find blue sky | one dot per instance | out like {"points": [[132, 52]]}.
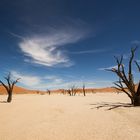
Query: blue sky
{"points": [[53, 44]]}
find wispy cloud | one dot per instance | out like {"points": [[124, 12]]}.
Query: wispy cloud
{"points": [[54, 79], [38, 82], [46, 49], [26, 80], [107, 68], [88, 51], [55, 82], [66, 84], [135, 42], [16, 35], [78, 84], [103, 83]]}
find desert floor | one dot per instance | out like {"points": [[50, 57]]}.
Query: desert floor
{"points": [[61, 117]]}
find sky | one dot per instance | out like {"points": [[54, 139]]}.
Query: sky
{"points": [[52, 44]]}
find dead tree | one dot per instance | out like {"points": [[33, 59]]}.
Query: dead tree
{"points": [[126, 82], [9, 86], [69, 92], [84, 91], [73, 90], [48, 91]]}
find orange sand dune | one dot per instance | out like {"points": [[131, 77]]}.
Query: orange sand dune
{"points": [[16, 90], [90, 90], [21, 90]]}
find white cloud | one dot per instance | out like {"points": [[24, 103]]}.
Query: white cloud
{"points": [[126, 56], [79, 84], [135, 42], [65, 85], [47, 49], [47, 82], [108, 68], [15, 35], [55, 82], [26, 80], [54, 79], [88, 51], [37, 82]]}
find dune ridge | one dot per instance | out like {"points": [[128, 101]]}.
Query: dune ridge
{"points": [[21, 90]]}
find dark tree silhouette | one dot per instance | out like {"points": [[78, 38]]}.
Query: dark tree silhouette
{"points": [[48, 91], [9, 86], [72, 91], [69, 92], [126, 82], [84, 91]]}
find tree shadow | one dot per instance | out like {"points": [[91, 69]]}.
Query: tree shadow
{"points": [[3, 102], [110, 105]]}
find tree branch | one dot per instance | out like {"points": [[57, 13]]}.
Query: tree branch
{"points": [[14, 82], [138, 66], [5, 86]]}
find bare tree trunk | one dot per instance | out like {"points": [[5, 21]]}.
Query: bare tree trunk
{"points": [[137, 96], [132, 101], [84, 91], [136, 101], [72, 92], [69, 92], [9, 99], [48, 91]]}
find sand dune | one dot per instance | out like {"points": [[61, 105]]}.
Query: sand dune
{"points": [[62, 117], [21, 90], [18, 90]]}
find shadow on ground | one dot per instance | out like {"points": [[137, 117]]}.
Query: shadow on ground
{"points": [[110, 105], [3, 102]]}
